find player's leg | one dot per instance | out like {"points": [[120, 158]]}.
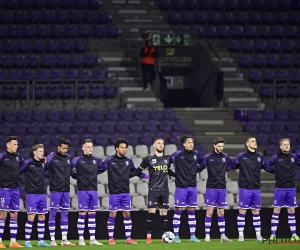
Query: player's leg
{"points": [[292, 204], [278, 203], [93, 207], [5, 201], [222, 203], [125, 203], [163, 210], [64, 225], [55, 198], [151, 71], [31, 206], [13, 224], [210, 202], [179, 203], [152, 205], [42, 210], [244, 201], [192, 203], [256, 205], [114, 206], [82, 208]]}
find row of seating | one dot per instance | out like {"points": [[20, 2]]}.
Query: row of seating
{"points": [[245, 5], [269, 75], [59, 31], [266, 139], [54, 16], [52, 74], [269, 60], [267, 115], [270, 127], [275, 19], [261, 45], [281, 90], [87, 116], [50, 4], [47, 60]]}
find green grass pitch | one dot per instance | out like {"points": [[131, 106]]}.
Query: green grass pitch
{"points": [[248, 244]]}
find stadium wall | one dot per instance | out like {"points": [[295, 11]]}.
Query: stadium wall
{"points": [[139, 225]]}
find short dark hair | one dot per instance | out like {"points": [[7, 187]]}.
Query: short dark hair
{"points": [[120, 141], [249, 137], [183, 138], [158, 138], [86, 141], [10, 138], [63, 141], [219, 140]]}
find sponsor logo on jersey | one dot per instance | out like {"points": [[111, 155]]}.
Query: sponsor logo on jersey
{"points": [[163, 168], [153, 160]]}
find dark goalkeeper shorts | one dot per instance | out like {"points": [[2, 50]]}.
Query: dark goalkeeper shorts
{"points": [[158, 199]]}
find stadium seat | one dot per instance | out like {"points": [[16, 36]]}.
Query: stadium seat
{"points": [[232, 187], [250, 127], [262, 139], [253, 115], [101, 190], [264, 126]]}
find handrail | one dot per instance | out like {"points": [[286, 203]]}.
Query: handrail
{"points": [[215, 52]]}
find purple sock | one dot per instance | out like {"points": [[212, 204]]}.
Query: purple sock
{"points": [[192, 222], [176, 221], [274, 222], [13, 224], [81, 225], [92, 225], [128, 227], [207, 225], [51, 223], [111, 227], [292, 223], [28, 230], [64, 223], [221, 223], [41, 230], [241, 223]]}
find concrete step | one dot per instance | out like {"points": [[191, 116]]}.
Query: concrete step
{"points": [[152, 25], [133, 11], [236, 139], [139, 93], [210, 128], [243, 105]]}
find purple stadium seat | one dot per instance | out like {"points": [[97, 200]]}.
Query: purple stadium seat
{"points": [[278, 127], [292, 126], [49, 128], [292, 137], [210, 31], [272, 150], [61, 16], [146, 139], [253, 115], [275, 138], [268, 75], [241, 18], [52, 45], [136, 126], [177, 4], [264, 126], [296, 60], [150, 126], [75, 140], [155, 114], [103, 17], [107, 127], [126, 114], [280, 90], [57, 74], [15, 31], [132, 139], [39, 116], [223, 31], [86, 30], [200, 17], [71, 30], [75, 60], [179, 126], [247, 45], [6, 60], [234, 45], [39, 91], [10, 46], [14, 74], [271, 60], [39, 46], [54, 116], [284, 4], [268, 115], [10, 116], [261, 45], [43, 74], [109, 90], [244, 60], [294, 17], [258, 60], [76, 16], [187, 17], [58, 30], [264, 31], [52, 4], [66, 4], [90, 16], [66, 45], [282, 74], [282, 115], [163, 4], [70, 74], [62, 60], [228, 18], [294, 74], [275, 45], [80, 46], [287, 45], [112, 115], [250, 127], [68, 90], [98, 74], [237, 31], [213, 17], [254, 17], [97, 115], [122, 127], [28, 141], [47, 60], [68, 116], [141, 114], [87, 136], [82, 115], [34, 128], [169, 114], [28, 74], [101, 140], [54, 139], [278, 31], [25, 116], [82, 91], [95, 91], [250, 31], [46, 140], [174, 17], [64, 128], [240, 115], [3, 31], [48, 16], [262, 139], [114, 137], [165, 126], [43, 30], [93, 128], [291, 31], [9, 92], [292, 90], [5, 129]]}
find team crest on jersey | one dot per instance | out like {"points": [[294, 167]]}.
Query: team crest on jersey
{"points": [[154, 160], [258, 159], [127, 163], [292, 159], [68, 161], [17, 158], [94, 161], [166, 161], [223, 159], [195, 157]]}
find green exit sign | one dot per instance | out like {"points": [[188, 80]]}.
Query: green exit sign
{"points": [[162, 39]]}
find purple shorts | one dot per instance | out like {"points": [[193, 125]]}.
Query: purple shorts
{"points": [[60, 200], [36, 203], [249, 199], [120, 202], [285, 197], [88, 201], [186, 197], [215, 198], [10, 199]]}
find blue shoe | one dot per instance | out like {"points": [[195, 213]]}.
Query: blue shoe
{"points": [[43, 244], [177, 239], [194, 239], [28, 244]]}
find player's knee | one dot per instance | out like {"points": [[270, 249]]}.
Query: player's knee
{"points": [[3, 215], [13, 215], [220, 212], [41, 217], [290, 210], [126, 214]]}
